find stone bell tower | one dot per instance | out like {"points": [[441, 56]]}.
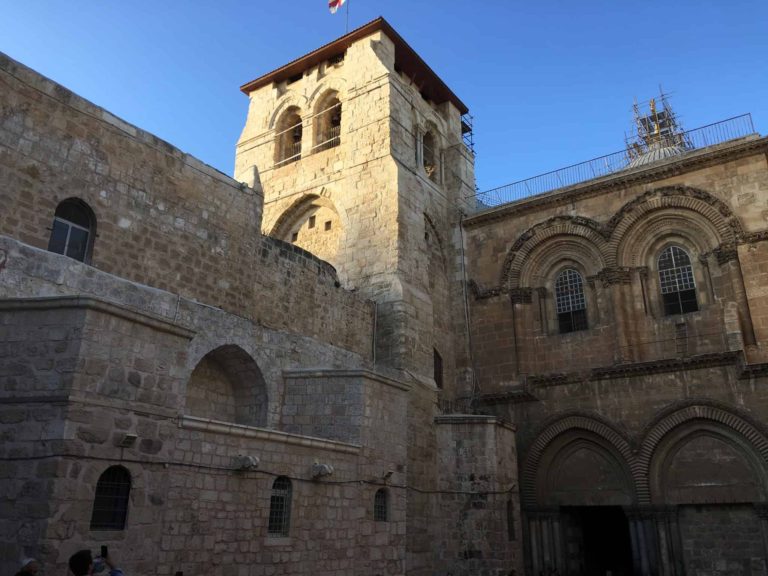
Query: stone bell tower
{"points": [[358, 147]]}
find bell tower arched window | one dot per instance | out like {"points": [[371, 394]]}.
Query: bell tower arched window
{"points": [[678, 288], [570, 301], [328, 124], [74, 226], [288, 138], [430, 155]]}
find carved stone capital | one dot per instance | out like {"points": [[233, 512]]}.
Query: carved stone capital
{"points": [[725, 253], [617, 275], [521, 295]]}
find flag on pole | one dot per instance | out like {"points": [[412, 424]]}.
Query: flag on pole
{"points": [[334, 5]]}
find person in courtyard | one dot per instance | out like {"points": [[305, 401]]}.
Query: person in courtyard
{"points": [[29, 567], [81, 564]]}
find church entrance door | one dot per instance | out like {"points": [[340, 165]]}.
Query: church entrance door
{"points": [[597, 541]]}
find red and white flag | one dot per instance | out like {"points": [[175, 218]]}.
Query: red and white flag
{"points": [[334, 5]]}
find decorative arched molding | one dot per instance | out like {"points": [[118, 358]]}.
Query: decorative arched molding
{"points": [[528, 241], [328, 86], [288, 101], [704, 205], [570, 423], [709, 412], [549, 257]]}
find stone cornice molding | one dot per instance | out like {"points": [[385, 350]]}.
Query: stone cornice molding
{"points": [[677, 166]]}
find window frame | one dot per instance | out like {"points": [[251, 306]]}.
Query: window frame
{"points": [[578, 317], [381, 505], [88, 215], [678, 274], [117, 504], [279, 520]]}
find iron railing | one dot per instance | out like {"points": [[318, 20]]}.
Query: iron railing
{"points": [[329, 139], [730, 129], [292, 154]]}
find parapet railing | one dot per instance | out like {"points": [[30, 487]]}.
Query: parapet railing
{"points": [[730, 129]]}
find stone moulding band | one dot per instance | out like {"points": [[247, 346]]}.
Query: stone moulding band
{"points": [[473, 419], [297, 374], [97, 304], [243, 431]]}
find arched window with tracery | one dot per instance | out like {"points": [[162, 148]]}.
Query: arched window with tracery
{"points": [[280, 507], [74, 226], [110, 504], [570, 302], [678, 288], [288, 137], [328, 123], [381, 505]]}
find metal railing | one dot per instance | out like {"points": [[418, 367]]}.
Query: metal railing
{"points": [[330, 139], [292, 153], [730, 129]]}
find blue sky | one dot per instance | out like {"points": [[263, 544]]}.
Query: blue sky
{"points": [[550, 82]]}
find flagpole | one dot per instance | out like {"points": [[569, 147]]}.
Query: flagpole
{"points": [[347, 32]]}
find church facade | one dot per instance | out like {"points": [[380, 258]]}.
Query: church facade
{"points": [[340, 362]]}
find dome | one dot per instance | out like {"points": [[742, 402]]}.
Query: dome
{"points": [[655, 154]]}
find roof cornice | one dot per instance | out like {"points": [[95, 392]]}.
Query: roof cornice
{"points": [[406, 60], [693, 161]]}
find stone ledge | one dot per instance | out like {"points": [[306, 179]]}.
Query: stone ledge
{"points": [[474, 419], [99, 305], [361, 373], [243, 431]]}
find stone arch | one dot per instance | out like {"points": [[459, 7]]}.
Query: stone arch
{"points": [[671, 430], [589, 231], [227, 384], [709, 212], [333, 84], [306, 223], [326, 120], [574, 431], [289, 100], [289, 136]]}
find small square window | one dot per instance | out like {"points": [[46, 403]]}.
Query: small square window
{"points": [[328, 225], [294, 237], [311, 222]]}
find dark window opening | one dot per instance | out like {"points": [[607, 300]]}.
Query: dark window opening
{"points": [[570, 301], [438, 368], [510, 520], [337, 59], [429, 156], [327, 225], [280, 507], [311, 222], [294, 237], [73, 230], [328, 122], [678, 288], [110, 504], [294, 78], [289, 136], [381, 505]]}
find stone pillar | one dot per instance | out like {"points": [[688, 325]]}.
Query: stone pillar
{"points": [[656, 543], [545, 541], [761, 510]]}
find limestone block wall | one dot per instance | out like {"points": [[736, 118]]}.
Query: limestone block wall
{"points": [[477, 524], [86, 372], [163, 218], [711, 202]]}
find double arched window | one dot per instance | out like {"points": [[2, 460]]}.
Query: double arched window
{"points": [[678, 288], [570, 302], [280, 507], [74, 226], [110, 504]]}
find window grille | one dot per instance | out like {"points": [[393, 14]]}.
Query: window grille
{"points": [[288, 140], [570, 302], [72, 230], [437, 361], [678, 288], [381, 505], [280, 507], [110, 504], [328, 123]]}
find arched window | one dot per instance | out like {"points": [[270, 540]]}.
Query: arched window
{"points": [[288, 138], [429, 156], [110, 505], [280, 507], [328, 124], [570, 301], [678, 289], [74, 226], [381, 505]]}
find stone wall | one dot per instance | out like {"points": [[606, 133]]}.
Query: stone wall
{"points": [[163, 218]]}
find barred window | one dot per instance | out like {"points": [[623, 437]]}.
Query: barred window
{"points": [[110, 505], [437, 368], [381, 505], [570, 301], [289, 134], [73, 230], [280, 507], [678, 289]]}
